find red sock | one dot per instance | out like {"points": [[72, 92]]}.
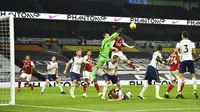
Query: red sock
{"points": [[131, 65], [19, 84], [84, 88], [182, 86], [170, 88], [31, 85], [97, 87]]}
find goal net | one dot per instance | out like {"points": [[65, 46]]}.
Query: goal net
{"points": [[7, 71]]}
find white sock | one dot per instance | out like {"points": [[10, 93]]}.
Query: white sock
{"points": [[73, 88], [60, 86], [194, 82], [120, 87], [128, 94], [179, 85], [43, 88], [146, 85], [105, 90], [157, 87]]}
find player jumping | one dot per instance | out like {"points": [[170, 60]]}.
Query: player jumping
{"points": [[52, 68], [87, 70], [27, 73], [152, 73], [116, 47], [110, 69], [186, 48], [105, 50], [173, 61], [75, 70], [117, 95]]}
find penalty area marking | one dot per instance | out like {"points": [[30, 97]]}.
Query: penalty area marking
{"points": [[60, 108]]}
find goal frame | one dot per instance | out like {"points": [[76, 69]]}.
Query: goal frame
{"points": [[12, 59]]}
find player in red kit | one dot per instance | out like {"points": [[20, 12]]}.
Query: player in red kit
{"points": [[116, 47], [27, 73], [174, 61], [87, 70]]}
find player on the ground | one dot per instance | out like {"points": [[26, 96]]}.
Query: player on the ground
{"points": [[117, 95], [116, 46], [75, 71], [52, 68], [173, 61], [87, 70], [105, 50], [110, 68], [27, 73], [187, 51], [152, 73]]}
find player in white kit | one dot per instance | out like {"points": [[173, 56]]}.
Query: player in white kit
{"points": [[187, 50], [52, 68], [75, 71], [152, 73]]}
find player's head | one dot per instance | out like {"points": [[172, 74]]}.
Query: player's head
{"points": [[106, 35], [53, 58], [78, 53], [89, 53], [159, 48], [185, 34], [115, 59], [27, 57], [112, 93]]}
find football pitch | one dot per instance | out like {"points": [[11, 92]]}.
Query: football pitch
{"points": [[53, 101]]}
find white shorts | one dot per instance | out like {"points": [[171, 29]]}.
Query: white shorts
{"points": [[174, 75], [86, 74], [27, 76], [120, 54]]}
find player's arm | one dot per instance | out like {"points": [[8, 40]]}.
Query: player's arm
{"points": [[159, 59], [105, 69], [118, 99], [32, 65], [114, 35], [67, 66], [194, 52], [116, 69], [112, 46], [126, 45]]}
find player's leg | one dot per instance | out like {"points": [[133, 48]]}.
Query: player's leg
{"points": [[86, 75], [45, 84], [182, 70], [100, 62], [74, 84], [19, 82], [157, 84], [107, 82], [172, 84], [96, 85], [146, 83], [59, 84], [194, 81], [28, 79], [115, 80]]}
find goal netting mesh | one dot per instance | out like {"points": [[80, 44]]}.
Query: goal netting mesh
{"points": [[7, 72]]}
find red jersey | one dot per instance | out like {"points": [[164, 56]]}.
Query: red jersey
{"points": [[118, 43], [174, 62], [88, 67], [28, 70]]}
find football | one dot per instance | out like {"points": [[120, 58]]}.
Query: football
{"points": [[132, 26]]}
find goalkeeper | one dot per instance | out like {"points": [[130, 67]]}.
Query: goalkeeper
{"points": [[105, 50]]}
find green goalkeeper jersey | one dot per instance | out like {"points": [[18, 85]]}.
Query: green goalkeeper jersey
{"points": [[105, 46]]}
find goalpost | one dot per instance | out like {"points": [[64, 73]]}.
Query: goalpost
{"points": [[7, 61]]}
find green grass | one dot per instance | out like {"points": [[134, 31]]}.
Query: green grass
{"points": [[53, 101]]}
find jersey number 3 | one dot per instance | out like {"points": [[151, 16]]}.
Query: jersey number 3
{"points": [[186, 48]]}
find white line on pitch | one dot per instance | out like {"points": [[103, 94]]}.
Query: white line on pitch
{"points": [[154, 110], [60, 108]]}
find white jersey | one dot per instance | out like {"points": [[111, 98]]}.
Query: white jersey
{"points": [[50, 65], [111, 68], [76, 64], [154, 62], [185, 47]]}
